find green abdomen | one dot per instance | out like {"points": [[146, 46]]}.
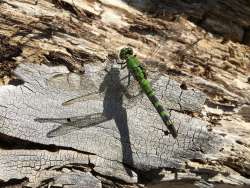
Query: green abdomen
{"points": [[133, 65]]}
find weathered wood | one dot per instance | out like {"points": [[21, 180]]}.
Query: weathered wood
{"points": [[131, 147], [135, 138]]}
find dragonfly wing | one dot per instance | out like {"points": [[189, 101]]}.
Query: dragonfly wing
{"points": [[130, 102], [89, 120], [51, 120], [61, 130], [77, 123], [134, 88], [87, 97], [136, 93], [132, 91], [72, 82]]}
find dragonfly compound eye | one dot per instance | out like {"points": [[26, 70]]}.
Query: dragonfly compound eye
{"points": [[125, 53]]}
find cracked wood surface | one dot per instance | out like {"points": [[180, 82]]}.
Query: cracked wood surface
{"points": [[76, 33], [137, 140], [23, 163]]}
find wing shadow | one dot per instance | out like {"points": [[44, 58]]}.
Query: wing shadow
{"points": [[112, 109]]}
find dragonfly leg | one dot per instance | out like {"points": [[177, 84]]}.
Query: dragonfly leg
{"points": [[129, 78], [123, 67], [121, 62]]}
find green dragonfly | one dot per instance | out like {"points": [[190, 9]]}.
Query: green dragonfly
{"points": [[137, 70], [113, 91]]}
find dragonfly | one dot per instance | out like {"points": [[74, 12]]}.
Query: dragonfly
{"points": [[132, 63], [115, 90]]}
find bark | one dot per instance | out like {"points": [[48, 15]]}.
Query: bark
{"points": [[53, 53]]}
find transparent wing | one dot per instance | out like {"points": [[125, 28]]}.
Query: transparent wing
{"points": [[61, 130], [73, 123], [89, 89], [135, 94], [133, 88], [90, 96], [82, 84], [72, 82]]}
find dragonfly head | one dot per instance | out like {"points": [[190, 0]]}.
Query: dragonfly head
{"points": [[125, 53]]}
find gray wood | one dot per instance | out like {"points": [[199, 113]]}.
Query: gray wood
{"points": [[133, 136]]}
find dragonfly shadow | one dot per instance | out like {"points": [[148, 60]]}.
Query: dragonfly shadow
{"points": [[113, 109]]}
